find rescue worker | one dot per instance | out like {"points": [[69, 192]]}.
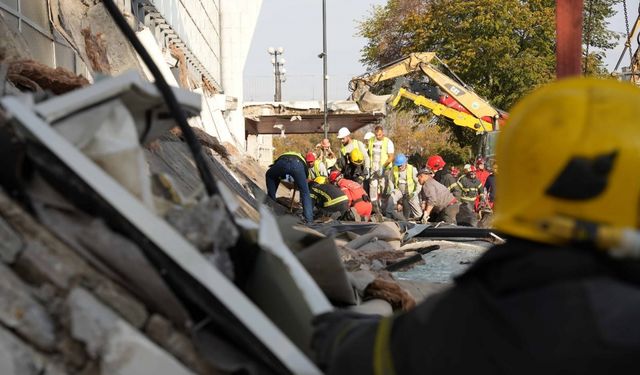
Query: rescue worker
{"points": [[562, 295], [329, 199], [294, 165], [368, 136], [442, 172], [354, 168], [359, 201], [404, 180], [438, 204], [470, 189], [380, 151], [316, 168], [490, 184], [348, 145], [325, 154], [481, 172]]}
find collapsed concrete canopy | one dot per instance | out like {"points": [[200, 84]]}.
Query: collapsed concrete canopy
{"points": [[305, 117]]}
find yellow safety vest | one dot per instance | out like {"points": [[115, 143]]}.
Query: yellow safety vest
{"points": [[315, 171], [383, 152], [343, 149], [411, 185]]}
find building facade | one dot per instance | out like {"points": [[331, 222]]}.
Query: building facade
{"points": [[200, 45]]}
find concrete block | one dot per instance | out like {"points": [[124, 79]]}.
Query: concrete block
{"points": [[40, 264], [163, 333], [22, 313], [131, 310], [10, 243], [122, 349], [207, 225], [16, 357]]}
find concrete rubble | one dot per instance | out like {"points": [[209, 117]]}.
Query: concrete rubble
{"points": [[86, 287]]}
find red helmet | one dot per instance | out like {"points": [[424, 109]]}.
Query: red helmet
{"points": [[480, 160], [311, 157], [435, 162], [334, 176]]}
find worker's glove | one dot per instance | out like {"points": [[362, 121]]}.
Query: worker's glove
{"points": [[333, 328], [425, 219]]}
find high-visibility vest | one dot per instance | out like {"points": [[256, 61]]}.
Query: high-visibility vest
{"points": [[383, 152], [343, 149], [315, 171], [411, 185]]}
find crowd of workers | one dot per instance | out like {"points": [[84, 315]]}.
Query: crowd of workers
{"points": [[561, 296], [367, 180]]}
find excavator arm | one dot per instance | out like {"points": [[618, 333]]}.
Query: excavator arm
{"points": [[460, 103]]}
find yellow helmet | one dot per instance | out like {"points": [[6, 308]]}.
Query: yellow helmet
{"points": [[356, 156], [320, 179], [567, 159]]}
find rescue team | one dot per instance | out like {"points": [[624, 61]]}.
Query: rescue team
{"points": [[368, 180]]}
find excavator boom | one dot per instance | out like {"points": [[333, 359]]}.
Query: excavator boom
{"points": [[458, 98]]}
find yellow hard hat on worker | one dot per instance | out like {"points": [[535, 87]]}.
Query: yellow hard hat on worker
{"points": [[356, 156], [320, 180], [567, 160]]}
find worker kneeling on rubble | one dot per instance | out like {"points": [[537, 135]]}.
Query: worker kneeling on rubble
{"points": [[438, 204], [404, 193], [294, 165], [562, 296], [330, 200], [359, 202]]}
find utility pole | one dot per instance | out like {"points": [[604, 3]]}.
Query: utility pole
{"points": [[325, 76], [278, 70]]}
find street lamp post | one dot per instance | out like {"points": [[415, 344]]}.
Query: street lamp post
{"points": [[278, 70], [325, 76]]}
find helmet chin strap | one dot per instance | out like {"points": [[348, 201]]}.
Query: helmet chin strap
{"points": [[618, 242]]}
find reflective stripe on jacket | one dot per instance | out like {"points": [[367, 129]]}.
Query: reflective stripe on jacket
{"points": [[321, 193]]}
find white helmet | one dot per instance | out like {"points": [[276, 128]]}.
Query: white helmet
{"points": [[343, 132], [368, 135]]}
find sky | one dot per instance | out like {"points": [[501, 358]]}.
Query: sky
{"points": [[296, 25]]}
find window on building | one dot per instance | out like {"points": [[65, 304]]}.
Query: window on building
{"points": [[31, 19]]}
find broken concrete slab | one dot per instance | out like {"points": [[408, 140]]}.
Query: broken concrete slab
{"points": [[323, 263], [10, 243], [207, 225], [16, 357], [133, 311], [22, 313], [161, 331], [121, 348]]}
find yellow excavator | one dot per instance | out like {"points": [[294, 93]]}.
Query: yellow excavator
{"points": [[445, 95]]}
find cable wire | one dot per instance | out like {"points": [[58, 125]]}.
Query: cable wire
{"points": [[167, 93]]}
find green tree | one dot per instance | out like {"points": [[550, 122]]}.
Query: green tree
{"points": [[502, 48]]}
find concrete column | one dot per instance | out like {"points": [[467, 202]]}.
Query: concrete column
{"points": [[238, 19]]}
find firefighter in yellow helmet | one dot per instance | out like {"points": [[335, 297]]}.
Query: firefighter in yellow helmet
{"points": [[562, 296], [354, 168]]}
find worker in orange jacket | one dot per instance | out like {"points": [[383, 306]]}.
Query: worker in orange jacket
{"points": [[358, 199]]}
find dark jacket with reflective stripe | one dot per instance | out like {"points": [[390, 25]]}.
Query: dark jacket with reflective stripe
{"points": [[470, 188], [522, 308], [327, 195]]}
